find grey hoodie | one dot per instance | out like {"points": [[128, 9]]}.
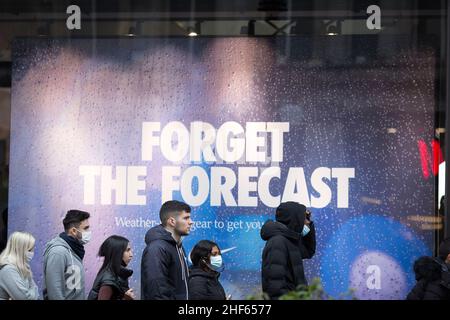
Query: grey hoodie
{"points": [[63, 272], [14, 286]]}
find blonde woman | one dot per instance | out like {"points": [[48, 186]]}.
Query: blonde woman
{"points": [[16, 279]]}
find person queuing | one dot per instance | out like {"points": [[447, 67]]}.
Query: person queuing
{"points": [[16, 278], [204, 275], [63, 259], [289, 240], [111, 282], [433, 276], [164, 270]]}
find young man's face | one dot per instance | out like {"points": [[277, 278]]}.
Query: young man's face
{"points": [[77, 232], [183, 223]]}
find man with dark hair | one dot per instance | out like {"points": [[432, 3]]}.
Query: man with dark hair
{"points": [[63, 259], [164, 270], [290, 239]]}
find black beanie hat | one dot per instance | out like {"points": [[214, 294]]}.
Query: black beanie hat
{"points": [[291, 214]]}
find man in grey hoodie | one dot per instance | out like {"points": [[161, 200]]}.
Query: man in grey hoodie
{"points": [[63, 259]]}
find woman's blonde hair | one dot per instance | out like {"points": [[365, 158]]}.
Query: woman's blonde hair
{"points": [[19, 243]]}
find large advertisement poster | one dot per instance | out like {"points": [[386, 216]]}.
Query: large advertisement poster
{"points": [[231, 126]]}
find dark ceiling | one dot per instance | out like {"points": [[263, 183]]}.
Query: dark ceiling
{"points": [[213, 6]]}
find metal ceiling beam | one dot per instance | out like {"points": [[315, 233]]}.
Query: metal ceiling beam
{"points": [[255, 15]]}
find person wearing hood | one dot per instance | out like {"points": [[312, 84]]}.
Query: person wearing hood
{"points": [[432, 276], [63, 259], [111, 282], [204, 275], [164, 270], [289, 240]]}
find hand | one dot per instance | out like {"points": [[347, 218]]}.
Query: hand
{"points": [[129, 295], [307, 217]]}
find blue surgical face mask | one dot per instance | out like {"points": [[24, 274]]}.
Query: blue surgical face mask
{"points": [[216, 261], [305, 230]]}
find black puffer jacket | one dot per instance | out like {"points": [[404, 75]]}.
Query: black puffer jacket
{"points": [[205, 285], [118, 283], [164, 271], [283, 254], [433, 280]]}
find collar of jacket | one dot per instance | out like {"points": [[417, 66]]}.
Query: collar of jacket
{"points": [[272, 228], [198, 271], [74, 244]]}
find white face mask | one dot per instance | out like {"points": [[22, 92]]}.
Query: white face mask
{"points": [[85, 236], [29, 255]]}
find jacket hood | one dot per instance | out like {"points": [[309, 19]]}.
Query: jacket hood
{"points": [[427, 268], [159, 233], [56, 242], [291, 214], [274, 228]]}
